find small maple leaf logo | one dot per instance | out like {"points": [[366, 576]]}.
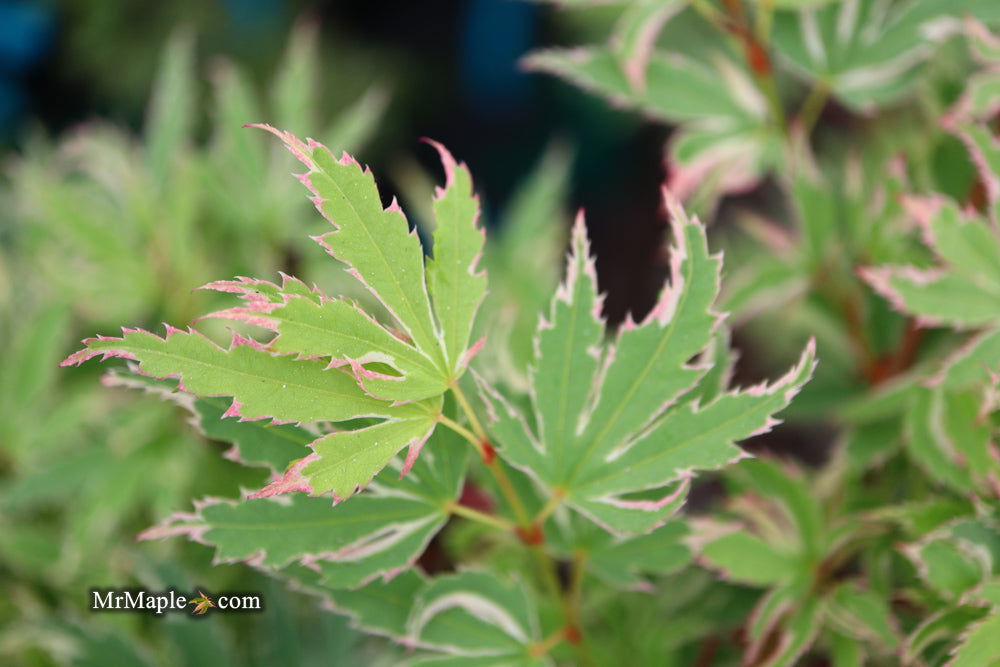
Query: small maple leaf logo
{"points": [[202, 603]]}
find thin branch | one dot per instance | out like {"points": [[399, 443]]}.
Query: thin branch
{"points": [[528, 529], [547, 644], [482, 517], [470, 414], [762, 20], [510, 494], [755, 51], [482, 445], [554, 501], [476, 442]]}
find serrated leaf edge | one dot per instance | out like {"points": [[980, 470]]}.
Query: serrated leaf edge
{"points": [[193, 526], [300, 150]]}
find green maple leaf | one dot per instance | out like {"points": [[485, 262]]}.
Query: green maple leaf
{"points": [[723, 142], [329, 361], [867, 52], [381, 532], [614, 430], [464, 618], [254, 442], [963, 290]]}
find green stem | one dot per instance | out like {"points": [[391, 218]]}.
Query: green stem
{"points": [[475, 515], [470, 414], [550, 507], [481, 443], [526, 527], [547, 569], [762, 20], [547, 644], [813, 106], [754, 45], [499, 475], [574, 597], [477, 443], [576, 582], [509, 493]]}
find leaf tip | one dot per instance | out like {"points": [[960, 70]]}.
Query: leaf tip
{"points": [[295, 145], [292, 481], [447, 161]]}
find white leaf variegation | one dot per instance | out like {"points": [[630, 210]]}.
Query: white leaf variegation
{"points": [[379, 533], [612, 434]]}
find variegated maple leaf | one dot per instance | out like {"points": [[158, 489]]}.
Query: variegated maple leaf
{"points": [[963, 288], [867, 52], [379, 534], [724, 141], [329, 360], [254, 443], [459, 619], [617, 430]]}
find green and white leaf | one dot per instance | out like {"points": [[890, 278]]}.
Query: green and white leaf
{"points": [[386, 257], [970, 366], [262, 385], [862, 615], [380, 532], [944, 625], [794, 505], [616, 412], [255, 442], [478, 617], [980, 645], [963, 290], [745, 558], [453, 279], [866, 51], [725, 142], [522, 259], [948, 439], [783, 626], [299, 377], [380, 607], [950, 566], [622, 562], [280, 388]]}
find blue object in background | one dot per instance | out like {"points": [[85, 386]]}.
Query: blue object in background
{"points": [[26, 35], [495, 34], [26, 30]]}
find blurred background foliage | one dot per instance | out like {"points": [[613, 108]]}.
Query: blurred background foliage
{"points": [[128, 181], [106, 223]]}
